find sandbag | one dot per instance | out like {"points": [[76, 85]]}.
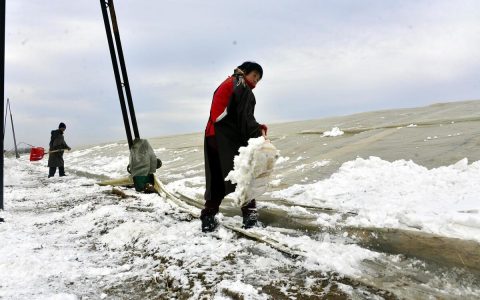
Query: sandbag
{"points": [[143, 163]]}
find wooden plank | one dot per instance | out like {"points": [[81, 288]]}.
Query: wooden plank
{"points": [[124, 181]]}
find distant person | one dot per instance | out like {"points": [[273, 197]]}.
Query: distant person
{"points": [[55, 159], [230, 125]]}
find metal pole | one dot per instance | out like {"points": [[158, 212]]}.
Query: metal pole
{"points": [[5, 118], [2, 81], [126, 83], [13, 128], [121, 97]]}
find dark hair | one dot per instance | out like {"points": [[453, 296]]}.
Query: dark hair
{"points": [[250, 66], [61, 125]]}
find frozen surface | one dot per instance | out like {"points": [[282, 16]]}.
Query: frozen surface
{"points": [[68, 238]]}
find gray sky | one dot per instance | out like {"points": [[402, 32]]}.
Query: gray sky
{"points": [[320, 58]]}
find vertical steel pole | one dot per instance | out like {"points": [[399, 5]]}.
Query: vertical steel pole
{"points": [[13, 128], [126, 83], [4, 119], [118, 81], [2, 82]]}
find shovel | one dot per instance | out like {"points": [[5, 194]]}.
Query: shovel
{"points": [[37, 153]]}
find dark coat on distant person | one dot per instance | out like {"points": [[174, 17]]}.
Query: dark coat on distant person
{"points": [[234, 130], [57, 141]]}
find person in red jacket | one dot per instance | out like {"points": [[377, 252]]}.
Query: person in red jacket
{"points": [[230, 125]]}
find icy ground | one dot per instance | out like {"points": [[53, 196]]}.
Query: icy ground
{"points": [[68, 238]]}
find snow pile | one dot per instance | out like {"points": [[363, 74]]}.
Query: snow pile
{"points": [[399, 194], [13, 168], [252, 169], [334, 132], [108, 160]]}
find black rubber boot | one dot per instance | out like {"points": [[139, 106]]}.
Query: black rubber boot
{"points": [[209, 223], [250, 218], [250, 215]]}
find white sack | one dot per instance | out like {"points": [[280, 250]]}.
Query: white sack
{"points": [[252, 170]]}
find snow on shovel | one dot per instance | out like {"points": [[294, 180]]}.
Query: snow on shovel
{"points": [[37, 153]]}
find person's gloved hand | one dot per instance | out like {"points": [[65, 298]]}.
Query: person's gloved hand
{"points": [[69, 148], [264, 129]]}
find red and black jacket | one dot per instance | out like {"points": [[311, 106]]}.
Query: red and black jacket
{"points": [[232, 122], [221, 99]]}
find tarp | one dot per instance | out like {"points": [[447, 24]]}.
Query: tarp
{"points": [[142, 158]]}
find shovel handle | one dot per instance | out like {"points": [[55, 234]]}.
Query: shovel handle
{"points": [[57, 150]]}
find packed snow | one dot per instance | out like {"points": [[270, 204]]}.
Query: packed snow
{"points": [[335, 131], [399, 194]]}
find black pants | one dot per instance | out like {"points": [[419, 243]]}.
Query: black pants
{"points": [[52, 170], [216, 193]]}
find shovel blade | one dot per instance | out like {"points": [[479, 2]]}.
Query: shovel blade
{"points": [[36, 153]]}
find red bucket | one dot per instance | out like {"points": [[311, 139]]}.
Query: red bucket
{"points": [[36, 153]]}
